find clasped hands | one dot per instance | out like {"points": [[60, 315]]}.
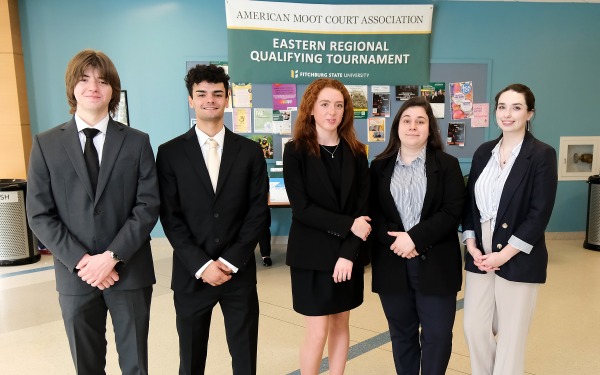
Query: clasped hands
{"points": [[361, 227], [216, 273], [403, 245], [489, 262], [98, 270]]}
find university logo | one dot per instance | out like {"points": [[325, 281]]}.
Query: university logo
{"points": [[294, 73]]}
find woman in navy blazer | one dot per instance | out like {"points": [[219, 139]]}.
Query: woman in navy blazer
{"points": [[327, 180], [417, 194], [510, 195]]}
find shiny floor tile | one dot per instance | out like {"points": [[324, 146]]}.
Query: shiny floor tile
{"points": [[563, 339]]}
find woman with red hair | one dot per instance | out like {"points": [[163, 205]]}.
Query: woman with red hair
{"points": [[327, 180]]}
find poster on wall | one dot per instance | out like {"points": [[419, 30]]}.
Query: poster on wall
{"points": [[358, 94], [266, 143], [376, 132], [462, 100], [284, 96], [435, 93], [357, 44], [242, 95], [481, 115], [456, 134], [282, 122], [242, 120], [381, 101], [263, 120], [405, 92]]}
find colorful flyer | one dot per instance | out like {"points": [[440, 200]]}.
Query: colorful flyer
{"points": [[376, 130], [284, 96], [242, 120], [263, 120], [381, 101], [266, 143], [358, 93], [481, 115], [462, 100]]}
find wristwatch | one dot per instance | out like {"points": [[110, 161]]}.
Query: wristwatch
{"points": [[115, 257]]}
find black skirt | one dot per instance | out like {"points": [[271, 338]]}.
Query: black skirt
{"points": [[315, 294]]}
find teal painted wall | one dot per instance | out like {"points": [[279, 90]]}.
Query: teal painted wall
{"points": [[553, 48]]}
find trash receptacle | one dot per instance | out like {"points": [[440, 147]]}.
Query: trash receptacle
{"points": [[592, 229], [17, 243]]}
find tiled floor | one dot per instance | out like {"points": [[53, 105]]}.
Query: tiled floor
{"points": [[564, 340]]}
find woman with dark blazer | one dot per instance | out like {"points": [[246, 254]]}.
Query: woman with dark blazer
{"points": [[327, 181], [417, 194], [510, 195]]}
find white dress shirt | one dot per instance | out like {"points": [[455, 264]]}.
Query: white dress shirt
{"points": [[98, 139], [203, 140]]}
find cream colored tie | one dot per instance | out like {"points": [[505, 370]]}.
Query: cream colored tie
{"points": [[213, 162]]}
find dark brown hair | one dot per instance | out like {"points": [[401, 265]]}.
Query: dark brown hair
{"points": [[106, 69], [305, 131], [209, 73], [434, 141], [527, 94]]}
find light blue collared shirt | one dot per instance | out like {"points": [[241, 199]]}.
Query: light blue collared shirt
{"points": [[408, 186]]}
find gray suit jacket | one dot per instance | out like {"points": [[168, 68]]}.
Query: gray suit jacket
{"points": [[65, 216]]}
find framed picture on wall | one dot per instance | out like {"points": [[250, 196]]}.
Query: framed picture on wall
{"points": [[578, 158], [122, 113]]}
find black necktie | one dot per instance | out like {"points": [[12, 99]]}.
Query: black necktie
{"points": [[90, 154]]}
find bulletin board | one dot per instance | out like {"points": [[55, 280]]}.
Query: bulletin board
{"points": [[447, 71]]}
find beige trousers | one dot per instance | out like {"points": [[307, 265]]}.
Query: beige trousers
{"points": [[497, 317]]}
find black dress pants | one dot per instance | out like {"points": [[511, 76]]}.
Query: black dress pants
{"points": [[239, 304], [430, 352]]}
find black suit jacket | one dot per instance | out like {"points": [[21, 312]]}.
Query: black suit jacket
{"points": [[524, 211], [320, 231], [435, 236], [67, 218], [202, 224]]}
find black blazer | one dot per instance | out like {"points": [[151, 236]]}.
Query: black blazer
{"points": [[435, 236], [70, 220], [202, 224], [524, 210], [320, 231]]}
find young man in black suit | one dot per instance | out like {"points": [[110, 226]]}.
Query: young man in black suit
{"points": [[93, 199], [213, 186]]}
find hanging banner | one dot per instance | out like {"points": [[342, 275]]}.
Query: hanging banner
{"points": [[357, 44]]}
